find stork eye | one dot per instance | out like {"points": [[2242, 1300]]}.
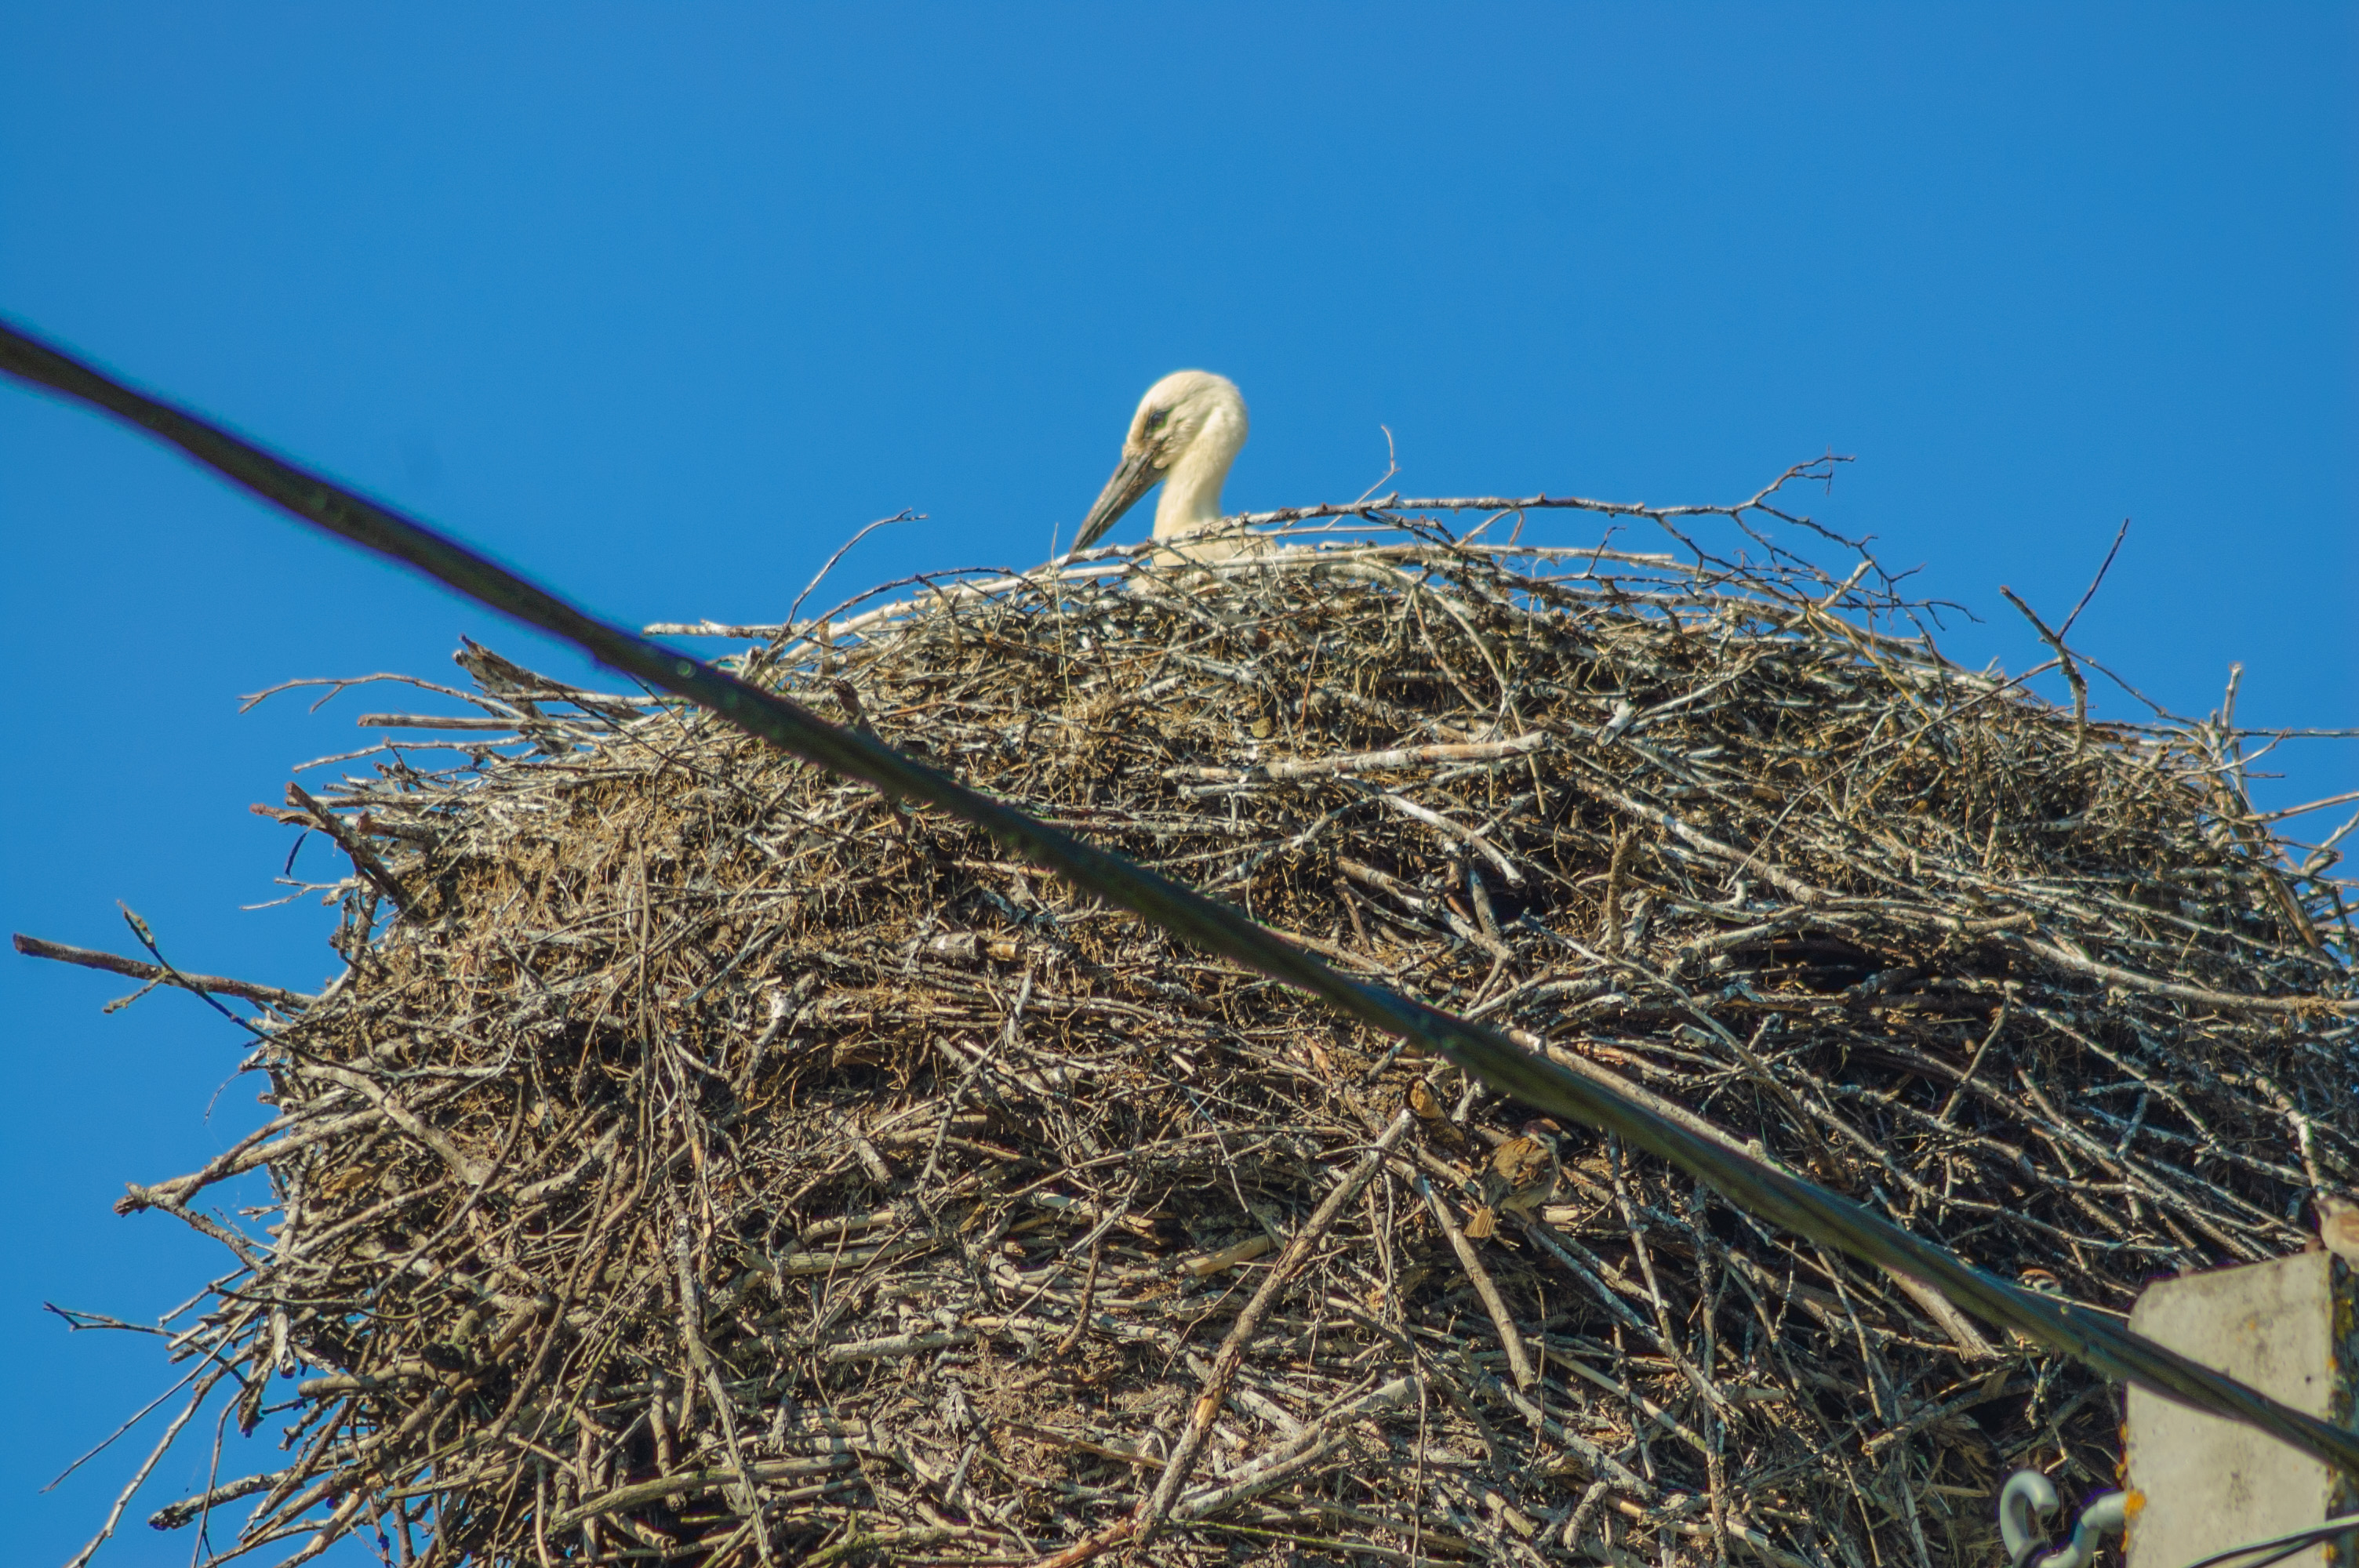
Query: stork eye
{"points": [[1154, 420]]}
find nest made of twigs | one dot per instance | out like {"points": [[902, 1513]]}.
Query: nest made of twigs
{"points": [[705, 1159]]}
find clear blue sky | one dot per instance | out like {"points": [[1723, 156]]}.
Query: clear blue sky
{"points": [[665, 302]]}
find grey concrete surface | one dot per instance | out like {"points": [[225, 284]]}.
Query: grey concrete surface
{"points": [[2202, 1485]]}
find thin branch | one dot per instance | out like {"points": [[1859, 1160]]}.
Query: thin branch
{"points": [[364, 860], [2064, 655], [285, 1002], [1231, 1355], [2119, 534]]}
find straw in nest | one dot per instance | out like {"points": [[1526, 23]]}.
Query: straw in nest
{"points": [[703, 1160]]}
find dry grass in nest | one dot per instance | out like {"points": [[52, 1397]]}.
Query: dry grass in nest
{"points": [[706, 1141]]}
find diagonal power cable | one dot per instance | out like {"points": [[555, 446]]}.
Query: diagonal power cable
{"points": [[1758, 1188]]}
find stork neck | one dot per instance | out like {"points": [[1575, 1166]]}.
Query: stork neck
{"points": [[1192, 490]]}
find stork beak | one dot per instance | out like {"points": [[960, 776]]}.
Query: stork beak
{"points": [[1133, 478]]}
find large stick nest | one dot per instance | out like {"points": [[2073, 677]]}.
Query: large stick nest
{"points": [[699, 1139]]}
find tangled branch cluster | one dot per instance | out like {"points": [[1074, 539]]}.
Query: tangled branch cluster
{"points": [[705, 1160]]}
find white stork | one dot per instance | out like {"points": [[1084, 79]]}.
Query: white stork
{"points": [[1187, 432]]}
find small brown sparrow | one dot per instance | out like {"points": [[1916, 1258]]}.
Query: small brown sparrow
{"points": [[1522, 1176], [2039, 1282]]}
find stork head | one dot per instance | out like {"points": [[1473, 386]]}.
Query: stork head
{"points": [[1187, 432]]}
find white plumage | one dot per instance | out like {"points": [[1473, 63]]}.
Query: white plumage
{"points": [[1189, 429]]}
